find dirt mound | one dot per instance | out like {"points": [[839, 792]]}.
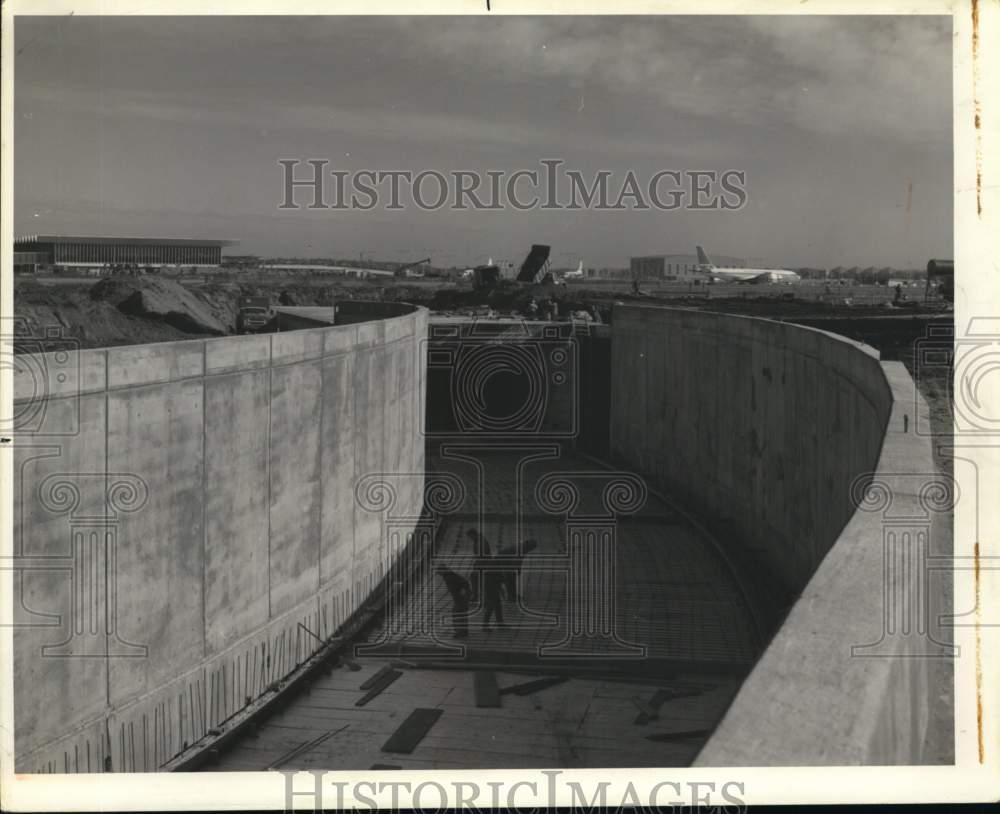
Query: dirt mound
{"points": [[139, 310], [162, 300], [48, 316]]}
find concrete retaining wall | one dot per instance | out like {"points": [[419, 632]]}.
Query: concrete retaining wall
{"points": [[802, 445], [758, 425], [187, 519], [856, 671]]}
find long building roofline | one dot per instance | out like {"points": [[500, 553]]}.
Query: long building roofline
{"points": [[143, 241]]}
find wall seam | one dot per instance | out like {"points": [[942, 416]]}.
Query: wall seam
{"points": [[270, 400], [356, 368], [204, 498], [107, 609], [322, 478]]}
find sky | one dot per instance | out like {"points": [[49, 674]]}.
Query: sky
{"points": [[173, 127]]}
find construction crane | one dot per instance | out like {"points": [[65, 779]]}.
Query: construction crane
{"points": [[401, 271]]}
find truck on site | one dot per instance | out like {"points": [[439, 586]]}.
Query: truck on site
{"points": [[940, 275], [411, 269], [534, 271], [254, 315]]}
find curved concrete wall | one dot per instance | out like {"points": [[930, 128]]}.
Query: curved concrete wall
{"points": [[853, 674], [763, 428], [759, 426], [200, 497]]}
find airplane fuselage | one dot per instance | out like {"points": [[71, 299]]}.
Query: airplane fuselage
{"points": [[707, 267], [749, 275], [569, 274]]}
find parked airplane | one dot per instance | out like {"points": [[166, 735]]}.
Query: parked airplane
{"points": [[706, 266], [570, 274]]}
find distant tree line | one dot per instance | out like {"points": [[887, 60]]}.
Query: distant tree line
{"points": [[866, 276]]}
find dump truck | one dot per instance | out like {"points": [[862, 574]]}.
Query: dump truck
{"points": [[485, 277], [255, 314]]}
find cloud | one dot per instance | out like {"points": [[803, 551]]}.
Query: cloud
{"points": [[405, 127], [198, 109], [887, 77]]}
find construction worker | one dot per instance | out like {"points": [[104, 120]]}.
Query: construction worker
{"points": [[480, 545], [490, 579], [510, 557], [492, 582], [461, 592]]}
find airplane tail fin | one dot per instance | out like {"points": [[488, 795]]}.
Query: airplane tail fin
{"points": [[702, 257], [579, 268]]}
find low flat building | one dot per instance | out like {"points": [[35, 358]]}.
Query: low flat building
{"points": [[27, 262], [679, 267], [42, 251]]}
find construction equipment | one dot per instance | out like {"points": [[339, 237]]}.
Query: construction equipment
{"points": [[485, 276], [944, 272], [404, 271], [535, 264], [255, 313], [534, 271]]}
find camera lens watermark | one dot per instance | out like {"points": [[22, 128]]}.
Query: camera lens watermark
{"points": [[45, 366], [518, 382]]}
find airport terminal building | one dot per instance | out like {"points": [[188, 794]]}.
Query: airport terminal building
{"points": [[44, 251]]}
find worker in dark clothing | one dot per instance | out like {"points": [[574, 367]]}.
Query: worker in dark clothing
{"points": [[460, 590], [488, 580], [492, 581], [480, 545], [510, 558]]}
